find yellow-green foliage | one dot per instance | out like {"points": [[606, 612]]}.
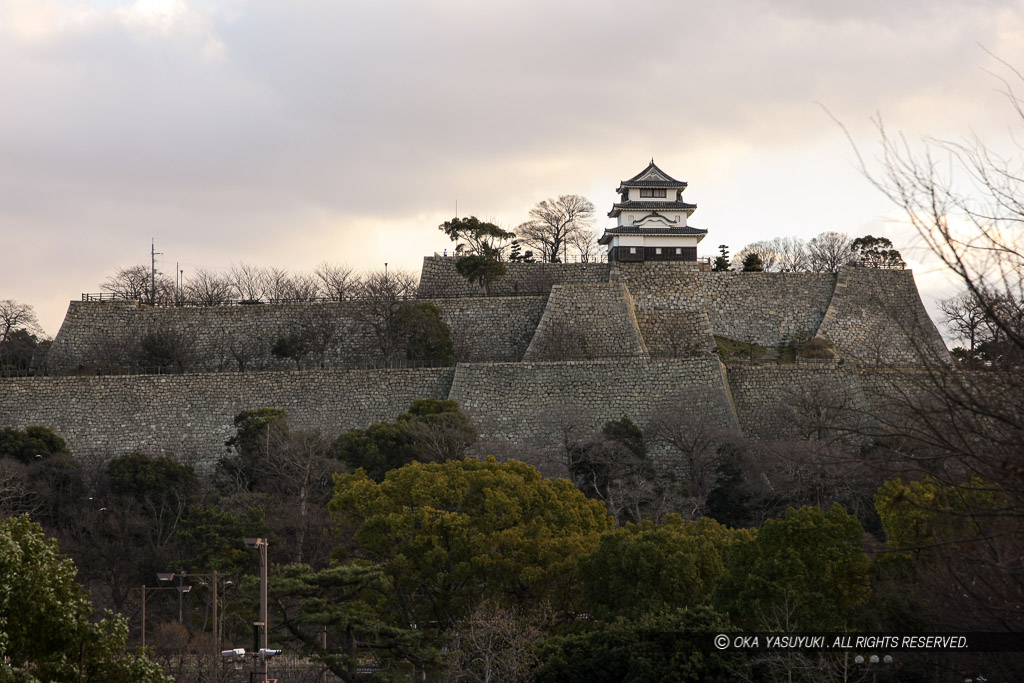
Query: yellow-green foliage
{"points": [[450, 534], [807, 571], [925, 512]]}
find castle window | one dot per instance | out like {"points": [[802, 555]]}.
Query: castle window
{"points": [[658, 250], [632, 250], [652, 192], [679, 250]]}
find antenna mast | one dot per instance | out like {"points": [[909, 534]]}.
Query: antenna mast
{"points": [[152, 257]]}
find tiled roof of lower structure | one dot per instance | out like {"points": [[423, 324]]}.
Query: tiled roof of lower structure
{"points": [[627, 230], [650, 206]]}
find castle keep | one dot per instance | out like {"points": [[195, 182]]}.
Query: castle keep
{"points": [[597, 340]]}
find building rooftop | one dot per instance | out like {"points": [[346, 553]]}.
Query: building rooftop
{"points": [[619, 207], [652, 176]]}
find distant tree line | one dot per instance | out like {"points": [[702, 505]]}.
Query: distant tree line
{"points": [[825, 253], [244, 282]]}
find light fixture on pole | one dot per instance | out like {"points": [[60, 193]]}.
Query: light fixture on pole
{"points": [[262, 625], [182, 589]]}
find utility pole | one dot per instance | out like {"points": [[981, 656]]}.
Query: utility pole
{"points": [[152, 282], [262, 626]]}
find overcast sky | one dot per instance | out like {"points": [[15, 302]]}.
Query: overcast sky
{"points": [[289, 133]]}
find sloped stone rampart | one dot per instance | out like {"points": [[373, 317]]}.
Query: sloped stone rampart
{"points": [[587, 321], [672, 333], [227, 338], [193, 414], [762, 308], [778, 400], [877, 318], [440, 279], [531, 403]]}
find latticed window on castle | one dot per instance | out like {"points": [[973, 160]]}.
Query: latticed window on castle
{"points": [[653, 192]]}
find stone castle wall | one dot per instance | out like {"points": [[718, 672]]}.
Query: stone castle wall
{"points": [[595, 320], [781, 400], [671, 333], [240, 337], [877, 317], [440, 279], [193, 414], [624, 313], [535, 402], [763, 308]]}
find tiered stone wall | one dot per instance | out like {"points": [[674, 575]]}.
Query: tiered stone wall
{"points": [[762, 308], [776, 400], [665, 309], [675, 333], [440, 279], [219, 337], [586, 321], [532, 403], [193, 414], [877, 317]]}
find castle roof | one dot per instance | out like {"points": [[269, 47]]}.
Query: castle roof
{"points": [[650, 206], [630, 230], [652, 176]]}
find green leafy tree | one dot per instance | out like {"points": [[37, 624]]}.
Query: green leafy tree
{"points": [[433, 430], [806, 572], [335, 599], [25, 444], [255, 432], [292, 346], [449, 535], [672, 646], [424, 334], [948, 554], [722, 262], [876, 252], [474, 236], [925, 512], [648, 568], [159, 489], [45, 628], [480, 269], [752, 263]]}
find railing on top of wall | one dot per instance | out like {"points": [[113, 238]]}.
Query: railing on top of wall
{"points": [[181, 302]]}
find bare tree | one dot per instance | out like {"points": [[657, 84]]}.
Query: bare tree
{"points": [[136, 283], [493, 644], [829, 251], [16, 316], [249, 282], [691, 427], [336, 282], [383, 294], [555, 223], [584, 243], [957, 425], [207, 288], [778, 255], [278, 284]]}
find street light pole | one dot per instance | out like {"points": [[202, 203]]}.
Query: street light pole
{"points": [[261, 545], [165, 576]]}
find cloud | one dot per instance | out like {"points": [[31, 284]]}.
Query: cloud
{"points": [[238, 130]]}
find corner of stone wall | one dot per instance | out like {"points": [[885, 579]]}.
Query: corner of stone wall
{"points": [[876, 317], [587, 321]]}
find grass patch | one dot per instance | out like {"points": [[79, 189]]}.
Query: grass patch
{"points": [[731, 349], [816, 348]]}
